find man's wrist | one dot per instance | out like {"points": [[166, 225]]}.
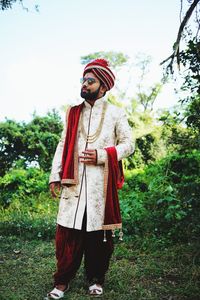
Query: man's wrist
{"points": [[55, 177], [101, 156]]}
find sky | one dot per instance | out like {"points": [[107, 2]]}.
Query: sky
{"points": [[40, 52]]}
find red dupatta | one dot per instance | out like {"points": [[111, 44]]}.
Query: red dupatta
{"points": [[115, 180], [69, 174]]}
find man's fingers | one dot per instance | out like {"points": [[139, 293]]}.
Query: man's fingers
{"points": [[89, 150], [89, 157], [53, 187], [86, 158], [89, 153], [91, 162], [53, 194]]}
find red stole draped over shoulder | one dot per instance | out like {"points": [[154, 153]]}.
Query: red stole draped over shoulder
{"points": [[114, 181], [69, 174]]}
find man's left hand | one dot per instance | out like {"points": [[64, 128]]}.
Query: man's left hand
{"points": [[89, 157]]}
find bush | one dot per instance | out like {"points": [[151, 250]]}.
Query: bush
{"points": [[36, 221], [31, 143], [161, 200], [28, 209], [164, 198], [20, 186], [149, 148]]}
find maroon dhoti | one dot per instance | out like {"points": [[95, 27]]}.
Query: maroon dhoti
{"points": [[72, 244]]}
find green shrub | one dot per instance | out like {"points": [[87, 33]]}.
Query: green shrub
{"points": [[37, 222], [161, 200], [22, 186], [164, 198]]}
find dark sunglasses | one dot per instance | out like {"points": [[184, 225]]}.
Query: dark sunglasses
{"points": [[89, 80]]}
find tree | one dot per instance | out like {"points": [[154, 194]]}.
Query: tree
{"points": [[5, 4], [11, 144], [24, 144], [146, 96], [8, 4], [180, 35], [116, 59], [189, 60]]}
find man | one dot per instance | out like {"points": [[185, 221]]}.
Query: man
{"points": [[95, 138]]}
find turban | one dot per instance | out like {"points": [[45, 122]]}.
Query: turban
{"points": [[100, 68]]}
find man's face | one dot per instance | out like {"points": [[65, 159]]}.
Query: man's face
{"points": [[91, 86]]}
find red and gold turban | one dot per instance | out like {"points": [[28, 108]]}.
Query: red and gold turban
{"points": [[101, 69]]}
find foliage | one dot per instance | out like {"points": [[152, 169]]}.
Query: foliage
{"points": [[31, 212], [31, 224], [148, 148], [11, 144], [5, 4], [190, 59], [180, 139], [146, 97], [8, 4], [151, 144], [20, 188], [193, 10], [182, 125], [116, 59], [43, 134], [190, 89], [163, 198], [160, 199], [193, 113], [32, 143], [147, 100]]}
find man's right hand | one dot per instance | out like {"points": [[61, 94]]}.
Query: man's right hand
{"points": [[55, 189]]}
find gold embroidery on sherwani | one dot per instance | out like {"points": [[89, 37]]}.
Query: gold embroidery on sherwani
{"points": [[75, 179], [112, 226], [91, 138], [105, 180]]}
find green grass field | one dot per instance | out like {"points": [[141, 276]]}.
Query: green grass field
{"points": [[138, 270]]}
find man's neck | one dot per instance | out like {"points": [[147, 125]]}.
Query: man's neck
{"points": [[91, 102]]}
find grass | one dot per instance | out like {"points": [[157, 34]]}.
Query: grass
{"points": [[139, 270]]}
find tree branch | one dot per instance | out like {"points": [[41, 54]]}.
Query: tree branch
{"points": [[178, 39]]}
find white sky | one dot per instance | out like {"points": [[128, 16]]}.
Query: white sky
{"points": [[40, 52]]}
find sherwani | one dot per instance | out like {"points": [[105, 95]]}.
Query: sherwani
{"points": [[88, 195]]}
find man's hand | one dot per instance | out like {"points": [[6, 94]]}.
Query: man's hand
{"points": [[89, 157], [55, 189]]}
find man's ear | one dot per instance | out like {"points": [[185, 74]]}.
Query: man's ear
{"points": [[103, 89]]}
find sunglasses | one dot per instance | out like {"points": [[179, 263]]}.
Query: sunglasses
{"points": [[89, 80]]}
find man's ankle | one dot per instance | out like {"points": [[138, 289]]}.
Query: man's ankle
{"points": [[61, 287]]}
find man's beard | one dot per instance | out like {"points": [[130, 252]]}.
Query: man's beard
{"points": [[90, 95]]}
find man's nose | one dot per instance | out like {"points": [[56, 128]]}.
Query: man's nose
{"points": [[85, 83]]}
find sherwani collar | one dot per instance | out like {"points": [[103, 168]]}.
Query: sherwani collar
{"points": [[97, 104]]}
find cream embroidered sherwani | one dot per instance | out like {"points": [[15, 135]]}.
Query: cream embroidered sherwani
{"points": [[88, 194]]}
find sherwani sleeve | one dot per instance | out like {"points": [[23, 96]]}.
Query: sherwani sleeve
{"points": [[57, 160], [125, 142]]}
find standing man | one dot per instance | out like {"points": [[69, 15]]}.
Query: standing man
{"points": [[87, 164]]}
